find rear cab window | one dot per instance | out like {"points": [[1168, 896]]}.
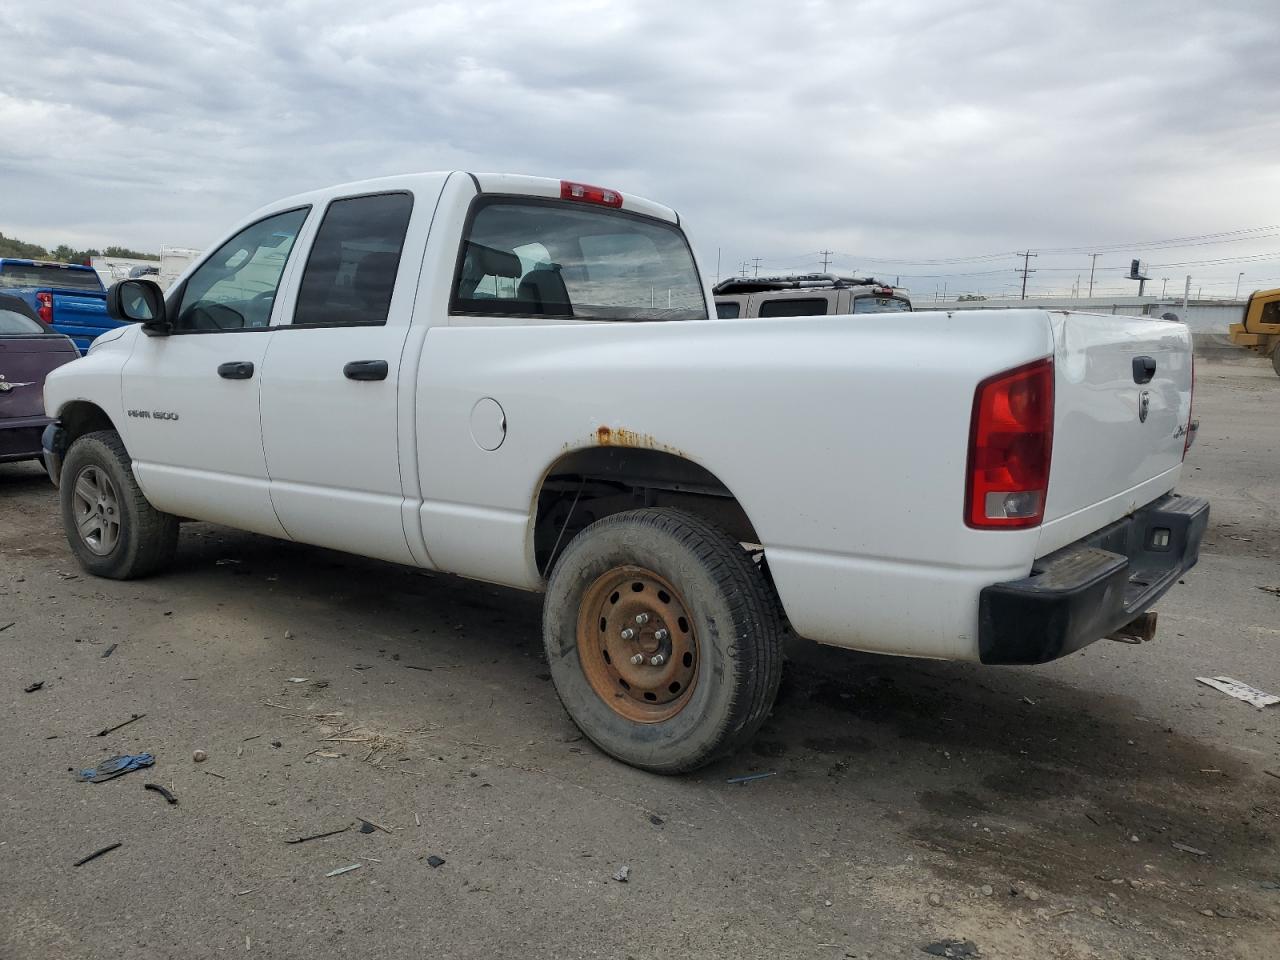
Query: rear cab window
{"points": [[528, 257], [794, 307], [880, 305], [49, 276]]}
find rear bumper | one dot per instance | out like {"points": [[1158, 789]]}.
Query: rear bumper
{"points": [[20, 438], [1092, 587]]}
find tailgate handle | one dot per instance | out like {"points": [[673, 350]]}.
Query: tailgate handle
{"points": [[1144, 368], [235, 370]]}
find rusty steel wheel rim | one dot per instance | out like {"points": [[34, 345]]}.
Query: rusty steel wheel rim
{"points": [[637, 644]]}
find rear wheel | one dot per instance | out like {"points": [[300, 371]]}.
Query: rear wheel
{"points": [[1275, 359], [664, 639], [112, 529]]}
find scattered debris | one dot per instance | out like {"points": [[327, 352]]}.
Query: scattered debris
{"points": [[109, 651], [951, 948], [367, 827], [376, 826], [163, 791], [241, 893], [136, 716], [1060, 913], [1028, 700], [225, 562], [8, 625], [988, 890], [623, 873], [1271, 773], [1241, 691], [117, 766], [414, 666], [199, 756], [298, 679], [433, 861], [320, 836], [1275, 590], [277, 744], [362, 666], [1189, 849], [935, 899], [97, 853], [33, 687], [656, 820], [254, 737], [342, 870], [1033, 896], [288, 634], [1208, 913], [212, 774], [747, 778]]}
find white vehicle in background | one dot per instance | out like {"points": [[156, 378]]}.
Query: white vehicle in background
{"points": [[807, 295], [522, 381]]}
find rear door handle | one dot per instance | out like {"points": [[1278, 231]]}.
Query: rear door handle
{"points": [[1144, 368], [365, 370], [235, 370]]}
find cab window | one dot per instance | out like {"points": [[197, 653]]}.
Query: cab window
{"points": [[234, 289], [351, 271]]}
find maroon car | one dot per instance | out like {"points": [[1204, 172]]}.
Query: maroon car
{"points": [[28, 351]]}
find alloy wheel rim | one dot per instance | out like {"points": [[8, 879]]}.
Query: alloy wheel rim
{"points": [[97, 510]]}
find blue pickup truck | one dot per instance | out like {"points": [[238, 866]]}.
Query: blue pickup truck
{"points": [[66, 296]]}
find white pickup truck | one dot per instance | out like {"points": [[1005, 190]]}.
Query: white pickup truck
{"points": [[523, 381]]}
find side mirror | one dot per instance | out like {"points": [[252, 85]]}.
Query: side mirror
{"points": [[139, 301]]}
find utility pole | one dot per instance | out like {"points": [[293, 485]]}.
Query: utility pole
{"points": [[826, 259], [717, 264], [1093, 262], [1238, 276], [1186, 297], [756, 261], [1026, 270], [1164, 285]]}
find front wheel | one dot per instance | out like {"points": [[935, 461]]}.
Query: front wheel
{"points": [[664, 639], [1275, 359], [112, 529]]}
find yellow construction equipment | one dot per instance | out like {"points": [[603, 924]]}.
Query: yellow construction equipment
{"points": [[1260, 330]]}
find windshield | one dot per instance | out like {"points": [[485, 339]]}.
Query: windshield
{"points": [[11, 321], [60, 277], [559, 259], [881, 305]]}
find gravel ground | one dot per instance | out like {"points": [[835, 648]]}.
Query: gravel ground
{"points": [[1037, 812]]}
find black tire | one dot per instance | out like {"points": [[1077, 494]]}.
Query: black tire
{"points": [[736, 633], [1275, 359], [144, 539]]}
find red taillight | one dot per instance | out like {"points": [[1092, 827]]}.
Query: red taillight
{"points": [[586, 193], [1010, 443], [1191, 411], [45, 311]]}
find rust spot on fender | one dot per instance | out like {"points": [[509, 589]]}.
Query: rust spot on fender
{"points": [[622, 437]]}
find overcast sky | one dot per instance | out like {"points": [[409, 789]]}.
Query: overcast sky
{"points": [[912, 130]]}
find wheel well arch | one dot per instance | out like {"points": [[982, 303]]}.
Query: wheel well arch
{"points": [[589, 483], [80, 417]]}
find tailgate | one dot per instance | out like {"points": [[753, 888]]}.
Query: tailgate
{"points": [[81, 315], [1117, 442]]}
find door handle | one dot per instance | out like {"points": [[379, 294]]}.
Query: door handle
{"points": [[365, 370], [1144, 368], [235, 370]]}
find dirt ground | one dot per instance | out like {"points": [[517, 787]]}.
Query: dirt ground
{"points": [[1106, 805]]}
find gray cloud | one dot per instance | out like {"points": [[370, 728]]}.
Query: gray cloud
{"points": [[873, 128]]}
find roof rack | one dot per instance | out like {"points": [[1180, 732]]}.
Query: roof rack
{"points": [[795, 281]]}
